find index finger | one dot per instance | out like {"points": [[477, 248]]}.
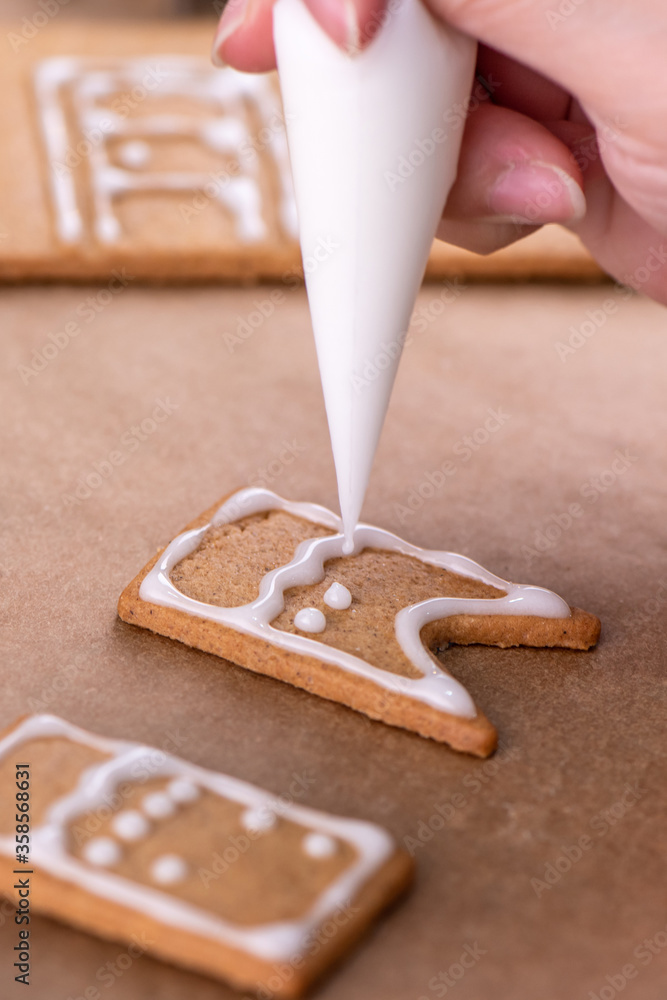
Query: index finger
{"points": [[244, 38]]}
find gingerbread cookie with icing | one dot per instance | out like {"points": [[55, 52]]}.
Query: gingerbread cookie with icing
{"points": [[264, 582], [131, 152], [205, 870], [139, 156]]}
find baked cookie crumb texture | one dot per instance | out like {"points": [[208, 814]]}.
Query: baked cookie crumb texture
{"points": [[265, 583]]}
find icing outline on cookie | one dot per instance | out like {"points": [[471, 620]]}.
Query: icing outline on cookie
{"points": [[436, 687], [224, 129], [276, 941]]}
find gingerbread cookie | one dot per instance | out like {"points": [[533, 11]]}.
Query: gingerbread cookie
{"points": [[131, 153], [264, 582], [144, 158], [205, 870]]}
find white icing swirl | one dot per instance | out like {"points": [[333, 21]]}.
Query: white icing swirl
{"points": [[436, 687]]}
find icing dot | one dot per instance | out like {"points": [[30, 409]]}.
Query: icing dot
{"points": [[319, 845], [134, 154], [130, 824], [338, 597], [181, 790], [310, 620], [158, 805], [168, 869], [258, 820], [102, 851]]}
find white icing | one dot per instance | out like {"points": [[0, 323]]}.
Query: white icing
{"points": [[310, 620], [102, 851], [273, 942], [374, 148], [158, 805], [135, 153], [258, 820], [435, 687], [319, 845], [129, 824], [233, 106], [338, 597], [183, 791], [169, 869]]}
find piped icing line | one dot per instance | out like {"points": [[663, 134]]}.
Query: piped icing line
{"points": [[276, 941], [226, 96], [436, 687]]}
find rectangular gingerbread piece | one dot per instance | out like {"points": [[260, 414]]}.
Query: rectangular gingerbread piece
{"points": [[132, 157], [210, 872], [267, 583]]}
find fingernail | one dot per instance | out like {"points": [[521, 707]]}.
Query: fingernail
{"points": [[232, 18], [535, 192], [340, 20]]}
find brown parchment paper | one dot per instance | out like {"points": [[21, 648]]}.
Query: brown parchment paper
{"points": [[582, 734]]}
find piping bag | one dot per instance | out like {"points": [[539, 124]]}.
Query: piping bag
{"points": [[374, 140]]}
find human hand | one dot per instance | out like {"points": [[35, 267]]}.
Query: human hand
{"points": [[567, 119]]}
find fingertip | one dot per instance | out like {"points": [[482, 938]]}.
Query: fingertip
{"points": [[244, 38], [512, 167]]}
